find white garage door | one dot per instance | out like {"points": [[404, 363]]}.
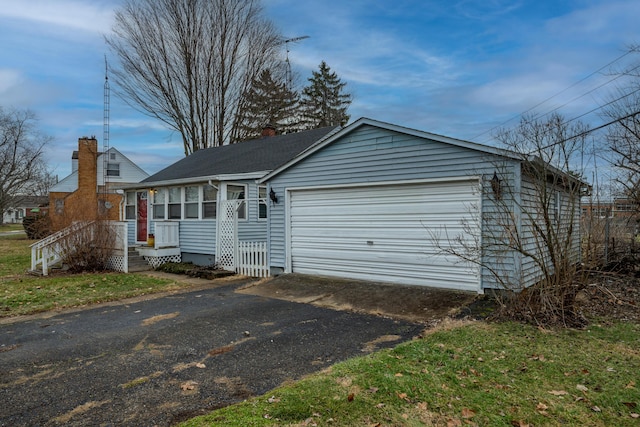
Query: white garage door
{"points": [[386, 233]]}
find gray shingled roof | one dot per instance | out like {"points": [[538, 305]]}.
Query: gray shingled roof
{"points": [[263, 154]]}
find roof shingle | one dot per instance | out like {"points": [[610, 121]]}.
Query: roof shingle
{"points": [[256, 155]]}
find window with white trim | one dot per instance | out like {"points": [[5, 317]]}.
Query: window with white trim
{"points": [[113, 169], [159, 197], [191, 200], [262, 202], [175, 203], [130, 205], [238, 192], [209, 201]]}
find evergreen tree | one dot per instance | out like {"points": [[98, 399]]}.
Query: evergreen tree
{"points": [[269, 102], [324, 102]]}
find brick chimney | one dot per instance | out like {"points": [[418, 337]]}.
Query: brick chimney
{"points": [[88, 165], [268, 130]]}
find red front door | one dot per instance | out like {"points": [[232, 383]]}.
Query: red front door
{"points": [[141, 221]]}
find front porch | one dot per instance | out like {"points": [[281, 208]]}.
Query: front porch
{"points": [[165, 244]]}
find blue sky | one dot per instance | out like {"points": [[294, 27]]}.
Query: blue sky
{"points": [[456, 68]]}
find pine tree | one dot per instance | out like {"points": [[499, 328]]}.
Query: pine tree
{"points": [[269, 102], [323, 102]]}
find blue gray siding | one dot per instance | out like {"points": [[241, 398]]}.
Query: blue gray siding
{"points": [[198, 236], [372, 154]]}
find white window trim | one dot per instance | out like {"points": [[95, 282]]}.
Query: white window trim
{"points": [[153, 204], [129, 203], [246, 200], [197, 202], [203, 201], [264, 200], [179, 203]]}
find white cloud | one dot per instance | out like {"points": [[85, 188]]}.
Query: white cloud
{"points": [[67, 14], [8, 79]]}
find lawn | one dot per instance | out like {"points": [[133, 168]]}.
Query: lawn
{"points": [[22, 293], [4, 228], [482, 374], [458, 374]]}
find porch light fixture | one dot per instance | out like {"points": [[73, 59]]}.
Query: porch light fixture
{"points": [[496, 187], [273, 197]]}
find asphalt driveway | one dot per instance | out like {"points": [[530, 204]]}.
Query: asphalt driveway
{"points": [[160, 361]]}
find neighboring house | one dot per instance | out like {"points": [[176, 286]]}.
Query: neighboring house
{"points": [[616, 222], [376, 201], [618, 208], [194, 209], [89, 191], [24, 206]]}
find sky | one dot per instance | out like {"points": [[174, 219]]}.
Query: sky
{"points": [[459, 68]]}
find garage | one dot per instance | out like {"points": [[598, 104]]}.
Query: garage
{"points": [[386, 232]]}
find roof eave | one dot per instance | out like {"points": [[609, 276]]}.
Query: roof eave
{"points": [[396, 128], [195, 180]]}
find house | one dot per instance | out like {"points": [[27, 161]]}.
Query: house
{"points": [[381, 202], [89, 191], [610, 226], [24, 206], [197, 208], [619, 208]]}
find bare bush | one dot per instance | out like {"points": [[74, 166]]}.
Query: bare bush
{"points": [[530, 241], [36, 226], [89, 248]]}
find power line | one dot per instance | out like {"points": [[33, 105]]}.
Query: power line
{"points": [[588, 131], [557, 94], [585, 94], [604, 105]]}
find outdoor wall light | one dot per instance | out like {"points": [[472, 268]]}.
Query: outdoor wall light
{"points": [[273, 197], [495, 186]]}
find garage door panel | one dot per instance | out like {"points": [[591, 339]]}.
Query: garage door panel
{"points": [[385, 233], [393, 273]]}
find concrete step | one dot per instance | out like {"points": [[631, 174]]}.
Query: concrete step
{"points": [[137, 262]]}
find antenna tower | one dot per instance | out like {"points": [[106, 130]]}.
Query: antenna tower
{"points": [[286, 42], [105, 127]]}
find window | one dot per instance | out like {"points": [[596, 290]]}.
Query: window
{"points": [[191, 199], [59, 206], [175, 203], [262, 202], [130, 205], [237, 192], [113, 169], [209, 199], [557, 208], [159, 196], [112, 156]]}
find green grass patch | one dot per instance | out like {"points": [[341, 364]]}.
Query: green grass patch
{"points": [[15, 254], [26, 294], [21, 293], [10, 227], [481, 374]]}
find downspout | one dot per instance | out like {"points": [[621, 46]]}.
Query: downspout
{"points": [[121, 206]]}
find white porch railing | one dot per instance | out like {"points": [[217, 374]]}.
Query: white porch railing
{"points": [[167, 234], [51, 250], [252, 259]]}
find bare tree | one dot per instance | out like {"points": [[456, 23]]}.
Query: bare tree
{"points": [[189, 63], [546, 233], [21, 155], [534, 218], [623, 134]]}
